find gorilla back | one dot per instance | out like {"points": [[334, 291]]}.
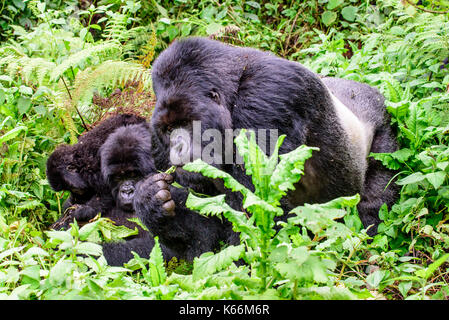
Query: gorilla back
{"points": [[228, 87]]}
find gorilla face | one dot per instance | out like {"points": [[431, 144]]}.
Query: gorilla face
{"points": [[126, 159], [123, 187]]}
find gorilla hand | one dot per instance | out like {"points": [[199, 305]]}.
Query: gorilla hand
{"points": [[81, 212], [153, 193]]}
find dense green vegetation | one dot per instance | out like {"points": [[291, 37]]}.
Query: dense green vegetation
{"points": [[61, 64]]}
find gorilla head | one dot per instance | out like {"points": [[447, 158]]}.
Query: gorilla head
{"points": [[125, 159], [76, 168], [62, 172]]}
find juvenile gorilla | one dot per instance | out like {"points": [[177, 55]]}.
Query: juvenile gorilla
{"points": [[228, 87], [76, 168], [125, 160]]}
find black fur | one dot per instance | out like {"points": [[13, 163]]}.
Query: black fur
{"points": [[76, 168], [368, 104], [126, 158], [229, 87]]}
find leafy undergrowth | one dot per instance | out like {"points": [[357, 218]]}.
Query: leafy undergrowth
{"points": [[60, 71]]}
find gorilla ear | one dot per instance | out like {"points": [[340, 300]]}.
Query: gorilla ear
{"points": [[214, 95]]}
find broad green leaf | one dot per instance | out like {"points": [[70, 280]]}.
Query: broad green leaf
{"points": [[349, 13], [88, 248], [63, 236], [59, 272], [332, 4], [374, 279], [328, 17], [213, 28], [436, 179], [413, 178]]}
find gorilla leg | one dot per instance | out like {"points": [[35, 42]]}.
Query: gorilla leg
{"points": [[378, 188], [367, 104]]}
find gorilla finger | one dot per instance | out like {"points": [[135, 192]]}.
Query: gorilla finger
{"points": [[157, 176], [161, 184], [169, 178], [161, 176], [163, 195], [169, 208]]}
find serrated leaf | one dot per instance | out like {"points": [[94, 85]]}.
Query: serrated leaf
{"points": [[209, 263], [215, 206], [156, 267]]}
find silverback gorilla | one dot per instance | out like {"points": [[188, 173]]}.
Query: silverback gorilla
{"points": [[226, 87]]}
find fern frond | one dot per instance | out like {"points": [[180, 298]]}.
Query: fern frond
{"points": [[110, 74], [116, 28], [148, 50], [35, 70], [64, 105], [101, 52]]}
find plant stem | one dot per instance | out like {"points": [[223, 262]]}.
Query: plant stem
{"points": [[73, 104]]}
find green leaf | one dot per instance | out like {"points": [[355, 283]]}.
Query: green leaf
{"points": [[332, 4], [214, 206], [172, 32], [2, 97], [349, 13], [413, 178], [436, 179], [63, 236], [209, 263], [288, 171], [374, 279], [9, 252], [161, 9], [328, 17], [88, 248], [58, 273], [23, 104], [12, 134], [213, 28], [426, 273], [156, 267]]}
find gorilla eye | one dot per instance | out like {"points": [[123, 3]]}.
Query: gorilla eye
{"points": [[70, 168], [214, 95]]}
